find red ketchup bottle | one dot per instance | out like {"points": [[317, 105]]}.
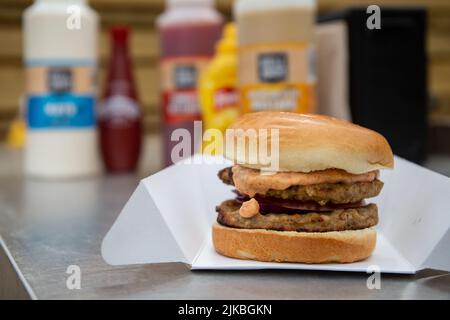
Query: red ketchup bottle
{"points": [[119, 117], [188, 32]]}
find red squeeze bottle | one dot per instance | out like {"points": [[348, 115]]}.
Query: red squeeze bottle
{"points": [[188, 31], [119, 117]]}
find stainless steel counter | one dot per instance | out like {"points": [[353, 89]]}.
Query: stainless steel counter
{"points": [[46, 226]]}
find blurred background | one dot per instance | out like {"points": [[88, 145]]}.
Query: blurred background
{"points": [[163, 64], [140, 16]]}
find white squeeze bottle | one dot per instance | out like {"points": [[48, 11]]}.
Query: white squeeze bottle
{"points": [[60, 55]]}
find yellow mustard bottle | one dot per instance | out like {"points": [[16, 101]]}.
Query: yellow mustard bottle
{"points": [[16, 134], [218, 95]]}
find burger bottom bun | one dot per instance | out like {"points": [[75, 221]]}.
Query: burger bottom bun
{"points": [[289, 246]]}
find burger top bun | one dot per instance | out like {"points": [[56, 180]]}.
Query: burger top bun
{"points": [[309, 143]]}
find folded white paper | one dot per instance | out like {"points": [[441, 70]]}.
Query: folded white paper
{"points": [[169, 216]]}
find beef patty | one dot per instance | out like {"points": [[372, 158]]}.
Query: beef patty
{"points": [[321, 193], [337, 220]]}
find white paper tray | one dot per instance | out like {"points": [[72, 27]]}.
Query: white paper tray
{"points": [[169, 216]]}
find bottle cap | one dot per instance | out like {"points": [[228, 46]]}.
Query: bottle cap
{"points": [[228, 42], [119, 33], [66, 2], [187, 3]]}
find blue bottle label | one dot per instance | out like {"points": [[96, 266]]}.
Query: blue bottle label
{"points": [[60, 111], [60, 96]]}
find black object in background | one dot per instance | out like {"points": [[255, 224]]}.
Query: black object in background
{"points": [[387, 76]]}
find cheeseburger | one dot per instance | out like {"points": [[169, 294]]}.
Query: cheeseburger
{"points": [[313, 209]]}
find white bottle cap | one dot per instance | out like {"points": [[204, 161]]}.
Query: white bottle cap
{"points": [[188, 3], [241, 6], [63, 1]]}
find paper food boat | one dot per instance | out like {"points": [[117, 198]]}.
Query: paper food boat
{"points": [[169, 216]]}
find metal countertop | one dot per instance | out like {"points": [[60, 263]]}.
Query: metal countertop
{"points": [[46, 226]]}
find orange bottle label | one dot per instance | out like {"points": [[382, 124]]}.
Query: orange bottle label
{"points": [[179, 77], [277, 77]]}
